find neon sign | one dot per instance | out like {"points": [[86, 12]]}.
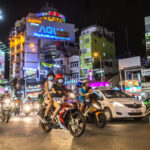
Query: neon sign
{"points": [[55, 19], [34, 21], [53, 33], [49, 65], [55, 15]]}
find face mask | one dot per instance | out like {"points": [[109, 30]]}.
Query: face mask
{"points": [[50, 78], [60, 81]]}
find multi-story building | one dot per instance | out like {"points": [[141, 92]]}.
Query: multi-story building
{"points": [[3, 68], [38, 39], [96, 45]]}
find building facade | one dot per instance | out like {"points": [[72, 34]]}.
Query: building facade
{"points": [[36, 41], [96, 45]]}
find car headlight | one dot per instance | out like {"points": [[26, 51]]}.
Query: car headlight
{"points": [[96, 106], [72, 95], [117, 104]]}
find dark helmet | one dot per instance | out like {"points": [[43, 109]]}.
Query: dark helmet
{"points": [[50, 74], [79, 84]]}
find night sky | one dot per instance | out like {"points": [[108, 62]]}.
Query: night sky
{"points": [[116, 15]]}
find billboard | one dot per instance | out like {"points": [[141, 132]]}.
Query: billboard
{"points": [[132, 86], [49, 30], [129, 62]]}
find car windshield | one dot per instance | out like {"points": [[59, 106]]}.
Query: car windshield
{"points": [[115, 94]]}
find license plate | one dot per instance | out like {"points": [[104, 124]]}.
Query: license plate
{"points": [[135, 111]]}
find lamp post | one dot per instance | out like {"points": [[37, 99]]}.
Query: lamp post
{"points": [[1, 16], [97, 55]]}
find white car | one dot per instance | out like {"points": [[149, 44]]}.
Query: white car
{"points": [[117, 104]]}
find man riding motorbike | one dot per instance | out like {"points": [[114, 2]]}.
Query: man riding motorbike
{"points": [[83, 95], [58, 90]]}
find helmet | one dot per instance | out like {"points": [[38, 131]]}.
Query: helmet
{"points": [[50, 73], [58, 76], [79, 84]]}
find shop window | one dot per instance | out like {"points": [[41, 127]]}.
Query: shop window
{"points": [[88, 60], [84, 50], [85, 71], [18, 46], [61, 62], [87, 40], [81, 41]]}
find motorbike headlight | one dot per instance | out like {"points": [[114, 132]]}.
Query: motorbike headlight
{"points": [[96, 106], [72, 95], [7, 101], [27, 108], [117, 104]]}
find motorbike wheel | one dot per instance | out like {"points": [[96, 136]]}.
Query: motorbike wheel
{"points": [[46, 127], [101, 122], [74, 126]]}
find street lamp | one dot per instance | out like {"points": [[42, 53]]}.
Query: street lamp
{"points": [[1, 16], [96, 54]]}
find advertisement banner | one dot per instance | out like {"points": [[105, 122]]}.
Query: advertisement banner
{"points": [[50, 30]]}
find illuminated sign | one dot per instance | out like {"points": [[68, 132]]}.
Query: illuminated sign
{"points": [[51, 30], [55, 19], [52, 16], [30, 20], [133, 89], [49, 65], [131, 83]]}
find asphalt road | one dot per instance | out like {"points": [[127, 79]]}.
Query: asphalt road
{"points": [[24, 133]]}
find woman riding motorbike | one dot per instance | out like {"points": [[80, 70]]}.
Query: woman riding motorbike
{"points": [[48, 91]]}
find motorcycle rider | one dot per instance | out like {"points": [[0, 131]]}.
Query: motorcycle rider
{"points": [[58, 90], [48, 91], [5, 95], [83, 94], [78, 87]]}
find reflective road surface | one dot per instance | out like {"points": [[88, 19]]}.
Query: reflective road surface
{"points": [[24, 133]]}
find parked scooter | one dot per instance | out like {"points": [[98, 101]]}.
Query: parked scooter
{"points": [[69, 117]]}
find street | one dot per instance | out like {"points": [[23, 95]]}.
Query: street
{"points": [[24, 133]]}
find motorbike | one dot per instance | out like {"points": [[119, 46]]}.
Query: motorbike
{"points": [[6, 110], [27, 108], [95, 114], [69, 117], [17, 109]]}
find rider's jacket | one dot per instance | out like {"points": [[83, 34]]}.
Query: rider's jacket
{"points": [[58, 87]]}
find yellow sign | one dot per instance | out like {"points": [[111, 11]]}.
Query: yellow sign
{"points": [[62, 33], [55, 19], [34, 21]]}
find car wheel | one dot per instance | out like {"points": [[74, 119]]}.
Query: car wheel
{"points": [[108, 114], [138, 119]]}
